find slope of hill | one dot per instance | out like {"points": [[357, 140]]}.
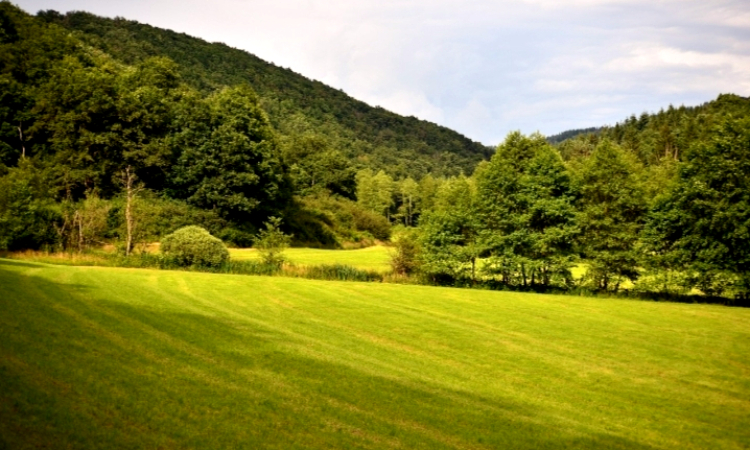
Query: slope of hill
{"points": [[124, 358], [664, 135], [373, 136], [569, 134]]}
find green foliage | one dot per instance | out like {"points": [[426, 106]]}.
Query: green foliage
{"points": [[316, 168], [340, 272], [157, 216], [612, 209], [94, 117], [526, 203], [271, 242], [84, 223], [333, 222], [450, 244], [406, 253], [703, 225], [656, 138], [297, 106], [569, 134], [408, 192], [27, 215], [231, 161], [375, 191], [194, 246]]}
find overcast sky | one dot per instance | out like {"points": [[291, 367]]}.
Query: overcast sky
{"points": [[483, 68]]}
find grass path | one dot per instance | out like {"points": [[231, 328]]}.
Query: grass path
{"points": [[370, 258], [96, 357]]}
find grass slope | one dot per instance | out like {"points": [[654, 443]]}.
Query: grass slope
{"points": [[95, 357], [374, 258]]}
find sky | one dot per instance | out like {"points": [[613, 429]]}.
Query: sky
{"points": [[483, 68]]}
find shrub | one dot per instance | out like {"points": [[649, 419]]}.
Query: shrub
{"points": [[194, 246], [272, 242], [405, 254], [340, 272]]}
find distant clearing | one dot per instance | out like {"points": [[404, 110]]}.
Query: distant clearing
{"points": [[94, 357], [370, 258]]}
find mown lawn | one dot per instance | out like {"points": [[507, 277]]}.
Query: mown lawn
{"points": [[374, 258], [94, 357]]}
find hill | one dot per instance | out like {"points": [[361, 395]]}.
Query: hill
{"points": [[654, 138], [124, 358], [569, 134], [372, 136]]}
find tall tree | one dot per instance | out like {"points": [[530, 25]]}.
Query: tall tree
{"points": [[703, 225], [408, 190], [316, 167], [231, 161], [612, 210], [526, 206]]}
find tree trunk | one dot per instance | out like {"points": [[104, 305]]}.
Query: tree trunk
{"points": [[80, 231], [20, 136], [130, 192]]}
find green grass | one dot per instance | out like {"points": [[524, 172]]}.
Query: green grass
{"points": [[96, 357], [374, 258]]}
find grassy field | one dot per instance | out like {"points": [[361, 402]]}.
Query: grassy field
{"points": [[374, 258], [94, 357]]}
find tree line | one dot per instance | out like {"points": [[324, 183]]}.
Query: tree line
{"points": [[528, 219]]}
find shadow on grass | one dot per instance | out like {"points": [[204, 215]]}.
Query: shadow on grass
{"points": [[160, 377], [17, 263]]}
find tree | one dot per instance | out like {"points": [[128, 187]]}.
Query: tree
{"points": [[428, 187], [230, 160], [612, 210], [375, 192], [525, 200], [451, 234], [272, 242], [131, 191], [450, 243], [702, 226], [28, 214], [97, 117], [316, 167], [405, 254], [384, 190], [408, 189]]}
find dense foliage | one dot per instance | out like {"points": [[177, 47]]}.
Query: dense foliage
{"points": [[527, 218], [297, 106]]}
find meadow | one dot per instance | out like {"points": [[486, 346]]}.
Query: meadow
{"points": [[99, 357], [375, 258]]}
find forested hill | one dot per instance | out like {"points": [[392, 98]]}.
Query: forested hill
{"points": [[658, 137], [297, 106], [570, 134]]}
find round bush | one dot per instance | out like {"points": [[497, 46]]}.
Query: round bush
{"points": [[194, 246]]}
